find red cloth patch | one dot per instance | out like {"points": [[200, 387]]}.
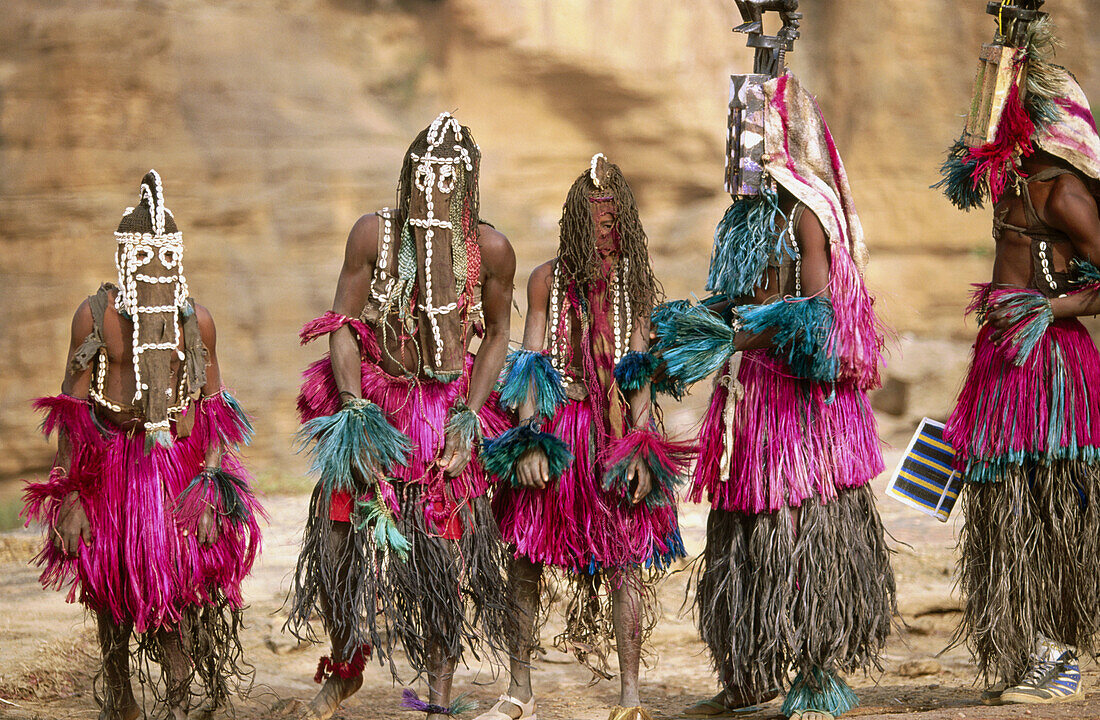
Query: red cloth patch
{"points": [[342, 505]]}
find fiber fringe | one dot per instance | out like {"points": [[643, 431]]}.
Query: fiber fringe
{"points": [[463, 424], [573, 523], [355, 445], [771, 599], [1029, 550], [692, 341], [140, 567], [528, 373], [1044, 409], [452, 591], [500, 455], [784, 442], [744, 241], [667, 461], [589, 615], [635, 371], [803, 327], [820, 690], [459, 706]]}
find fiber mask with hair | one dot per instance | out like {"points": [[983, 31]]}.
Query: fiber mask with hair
{"points": [[596, 193], [152, 293], [1022, 102], [438, 199]]}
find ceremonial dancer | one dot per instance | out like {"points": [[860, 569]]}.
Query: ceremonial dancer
{"points": [[401, 545], [1026, 428], [588, 478], [796, 573], [150, 519]]}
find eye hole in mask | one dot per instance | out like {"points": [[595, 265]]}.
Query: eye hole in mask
{"points": [[142, 254], [447, 179], [168, 258]]}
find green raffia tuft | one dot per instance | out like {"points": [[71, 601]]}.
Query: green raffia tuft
{"points": [[744, 241], [1087, 274], [463, 424], [958, 182], [825, 691], [635, 371], [240, 419], [462, 705], [693, 341], [357, 438], [802, 328], [1046, 82], [374, 513], [500, 455], [161, 438], [528, 371], [231, 489], [660, 322]]}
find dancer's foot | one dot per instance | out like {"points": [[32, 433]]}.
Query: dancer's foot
{"points": [[727, 702], [813, 715], [124, 709], [333, 693], [510, 708]]}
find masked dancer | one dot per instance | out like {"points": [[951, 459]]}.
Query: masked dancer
{"points": [[796, 573], [589, 477], [150, 519], [401, 546], [1026, 428]]}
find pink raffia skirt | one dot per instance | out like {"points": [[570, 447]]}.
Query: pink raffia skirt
{"points": [[574, 523], [790, 440], [418, 409], [143, 565], [1027, 439]]}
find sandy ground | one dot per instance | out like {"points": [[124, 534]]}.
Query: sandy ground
{"points": [[48, 652]]}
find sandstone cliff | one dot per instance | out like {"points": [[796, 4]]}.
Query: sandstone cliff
{"points": [[276, 124]]}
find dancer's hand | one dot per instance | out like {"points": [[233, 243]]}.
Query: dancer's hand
{"points": [[456, 456], [207, 533], [72, 526], [533, 469], [641, 479]]}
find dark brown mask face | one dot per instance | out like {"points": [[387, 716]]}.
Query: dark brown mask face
{"points": [[151, 279]]}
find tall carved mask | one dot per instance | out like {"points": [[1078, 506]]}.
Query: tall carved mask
{"points": [[152, 292]]}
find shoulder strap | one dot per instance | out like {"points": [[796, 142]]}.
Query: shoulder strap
{"points": [[1035, 225], [194, 351], [93, 343]]}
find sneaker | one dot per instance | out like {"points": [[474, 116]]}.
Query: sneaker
{"points": [[1054, 676]]}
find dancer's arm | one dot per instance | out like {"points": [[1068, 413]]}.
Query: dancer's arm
{"points": [[533, 467], [352, 291], [72, 522]]}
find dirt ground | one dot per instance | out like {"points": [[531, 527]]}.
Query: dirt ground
{"points": [[49, 657]]}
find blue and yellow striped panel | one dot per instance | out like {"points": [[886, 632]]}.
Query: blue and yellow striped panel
{"points": [[925, 478]]}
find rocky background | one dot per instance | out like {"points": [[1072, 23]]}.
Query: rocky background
{"points": [[276, 124]]}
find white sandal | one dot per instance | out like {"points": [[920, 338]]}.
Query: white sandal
{"points": [[527, 710]]}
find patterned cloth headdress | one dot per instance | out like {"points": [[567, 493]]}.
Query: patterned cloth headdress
{"points": [[427, 275], [802, 158], [152, 291], [1022, 103]]}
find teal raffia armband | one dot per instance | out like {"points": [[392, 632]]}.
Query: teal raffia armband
{"points": [[463, 424], [803, 329], [500, 455], [357, 437], [530, 372], [635, 371]]}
